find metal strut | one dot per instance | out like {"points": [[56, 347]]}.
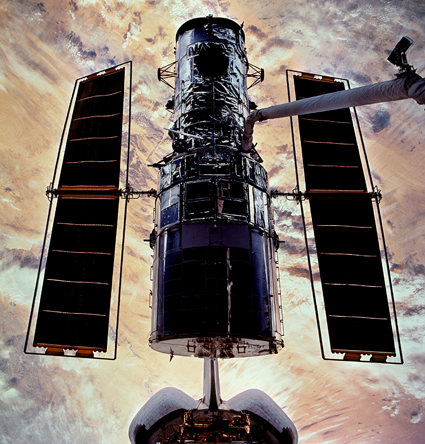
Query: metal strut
{"points": [[211, 397], [125, 193], [167, 72], [298, 196], [130, 193], [294, 195], [257, 74]]}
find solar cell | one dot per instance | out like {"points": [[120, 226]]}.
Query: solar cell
{"points": [[75, 300], [346, 236]]}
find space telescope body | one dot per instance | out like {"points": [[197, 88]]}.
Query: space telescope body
{"points": [[215, 278]]}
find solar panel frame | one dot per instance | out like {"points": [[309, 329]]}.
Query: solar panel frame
{"points": [[330, 260], [80, 222]]}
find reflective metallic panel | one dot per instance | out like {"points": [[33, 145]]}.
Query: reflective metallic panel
{"points": [[210, 99]]}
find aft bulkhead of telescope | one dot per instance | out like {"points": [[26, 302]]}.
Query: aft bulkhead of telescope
{"points": [[215, 292]]}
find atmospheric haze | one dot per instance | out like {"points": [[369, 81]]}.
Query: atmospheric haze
{"points": [[44, 47]]}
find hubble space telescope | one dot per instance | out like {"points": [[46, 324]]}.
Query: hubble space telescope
{"points": [[215, 269]]}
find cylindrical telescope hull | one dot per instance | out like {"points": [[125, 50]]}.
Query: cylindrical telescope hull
{"points": [[210, 97], [215, 276]]}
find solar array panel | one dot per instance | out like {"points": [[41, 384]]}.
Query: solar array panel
{"points": [[348, 252], [75, 301], [74, 306], [93, 149]]}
